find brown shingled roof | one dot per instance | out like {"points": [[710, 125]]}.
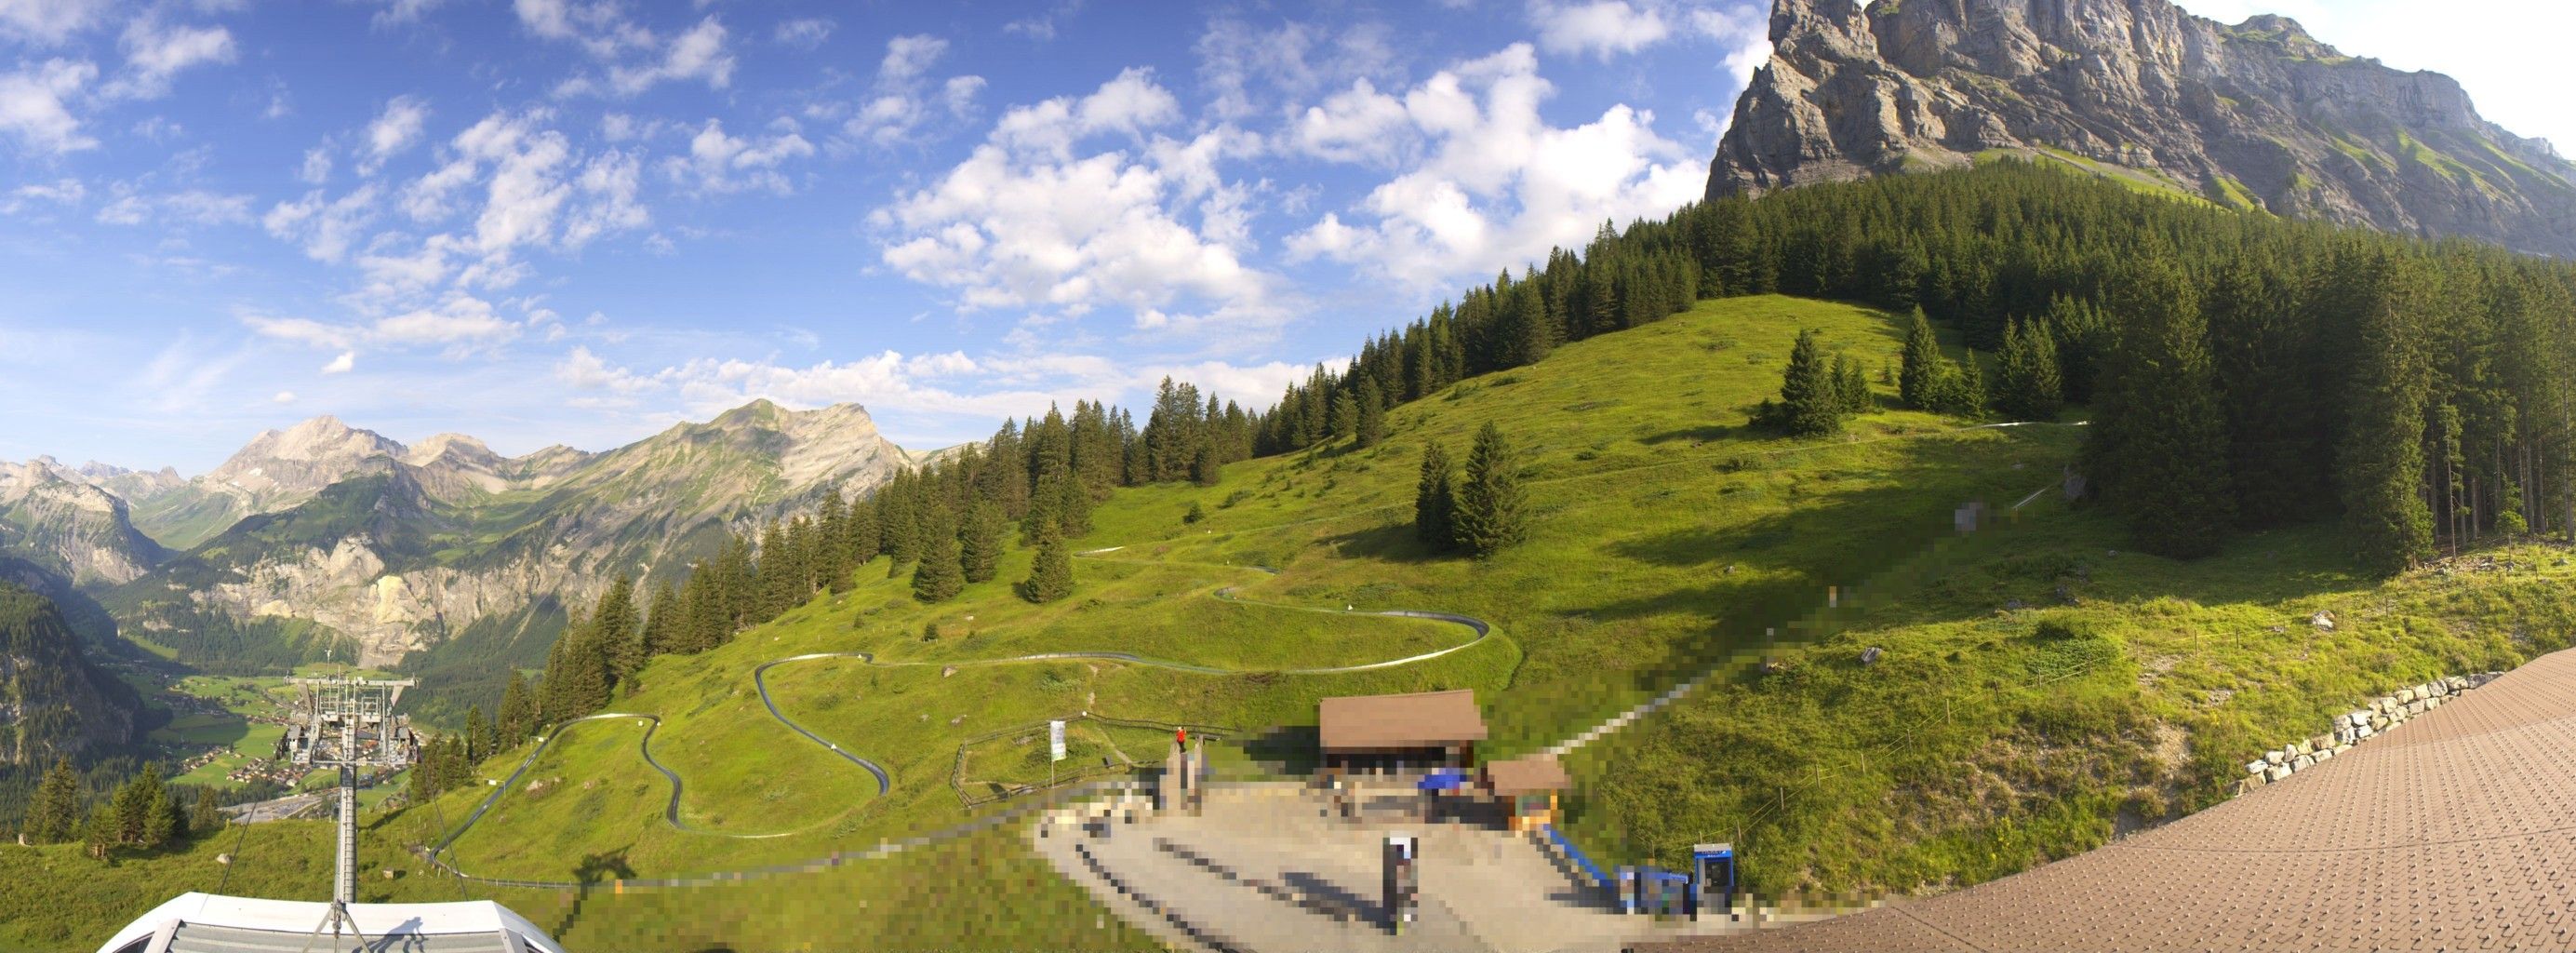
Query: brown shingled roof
{"points": [[1418, 720], [1525, 776]]}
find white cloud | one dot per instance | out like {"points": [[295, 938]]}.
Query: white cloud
{"points": [[399, 12], [459, 322], [48, 22], [1131, 103], [1599, 27], [900, 102], [959, 93], [1042, 27], [720, 163], [1355, 125], [1248, 70], [32, 107], [1026, 223], [57, 192], [697, 54], [283, 397], [191, 207], [909, 56], [1499, 186], [609, 181], [325, 229], [583, 370], [637, 59], [803, 33], [316, 168], [155, 52], [395, 129], [1745, 35]]}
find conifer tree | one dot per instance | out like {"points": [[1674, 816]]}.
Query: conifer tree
{"points": [[2382, 456], [518, 712], [1435, 500], [1851, 386], [54, 815], [1073, 510], [1371, 426], [1491, 512], [478, 735], [1811, 403], [160, 815], [1204, 468], [99, 833], [979, 550], [2027, 385], [1346, 416], [665, 623], [1919, 372], [206, 817], [619, 630], [1051, 577], [939, 576], [2159, 452]]}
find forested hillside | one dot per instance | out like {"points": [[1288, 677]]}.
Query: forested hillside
{"points": [[2246, 371]]}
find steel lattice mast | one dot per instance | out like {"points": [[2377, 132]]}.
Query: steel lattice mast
{"points": [[349, 723]]}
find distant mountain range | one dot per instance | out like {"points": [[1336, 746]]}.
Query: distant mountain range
{"points": [[2254, 115], [327, 535]]}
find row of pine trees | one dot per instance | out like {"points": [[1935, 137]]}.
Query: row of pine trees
{"points": [[143, 814]]}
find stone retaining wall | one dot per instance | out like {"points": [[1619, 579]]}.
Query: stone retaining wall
{"points": [[2356, 727]]}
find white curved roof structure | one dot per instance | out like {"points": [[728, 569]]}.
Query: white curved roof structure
{"points": [[207, 923]]}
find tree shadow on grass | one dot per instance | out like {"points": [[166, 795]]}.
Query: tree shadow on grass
{"points": [[594, 871], [1703, 433], [1289, 750], [1393, 542]]}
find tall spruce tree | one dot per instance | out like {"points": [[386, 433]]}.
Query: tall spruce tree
{"points": [[939, 576], [619, 629], [54, 815], [1371, 426], [1811, 403], [518, 712], [665, 622], [979, 548], [2381, 458], [1051, 575], [1920, 368], [1435, 500], [2160, 451], [205, 817], [1851, 386], [1492, 512], [2027, 384]]}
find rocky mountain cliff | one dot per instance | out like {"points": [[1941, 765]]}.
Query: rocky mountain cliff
{"points": [[412, 546], [58, 517], [53, 701], [2255, 115]]}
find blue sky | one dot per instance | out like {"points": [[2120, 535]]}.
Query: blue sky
{"points": [[545, 221]]}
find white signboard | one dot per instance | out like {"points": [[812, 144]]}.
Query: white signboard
{"points": [[1055, 741]]}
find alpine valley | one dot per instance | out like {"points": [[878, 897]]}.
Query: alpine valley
{"points": [[325, 539]]}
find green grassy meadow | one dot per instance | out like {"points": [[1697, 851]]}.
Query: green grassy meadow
{"points": [[2039, 687]]}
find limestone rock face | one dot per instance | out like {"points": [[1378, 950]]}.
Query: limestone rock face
{"points": [[401, 548], [2258, 114], [58, 517]]}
